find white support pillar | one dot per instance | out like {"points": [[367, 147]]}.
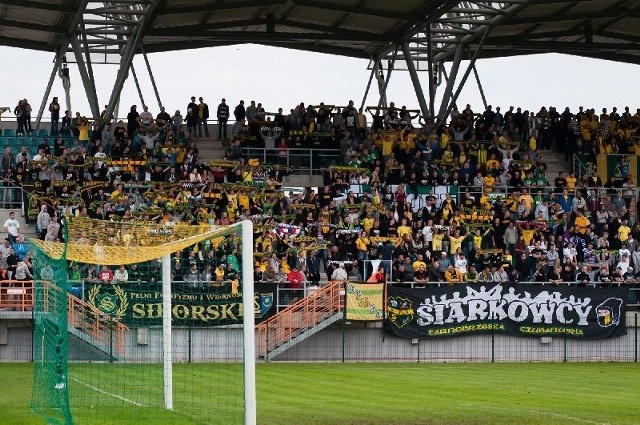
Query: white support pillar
{"points": [[248, 324], [167, 348]]}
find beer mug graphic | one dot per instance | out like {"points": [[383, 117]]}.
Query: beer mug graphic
{"points": [[608, 312]]}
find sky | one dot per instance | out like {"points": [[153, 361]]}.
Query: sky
{"points": [[279, 77]]}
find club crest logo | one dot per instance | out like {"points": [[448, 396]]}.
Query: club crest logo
{"points": [[114, 304], [263, 303], [608, 312], [400, 311]]}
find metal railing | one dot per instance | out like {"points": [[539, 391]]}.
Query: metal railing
{"points": [[579, 168], [16, 295], [304, 161], [302, 315], [101, 329]]}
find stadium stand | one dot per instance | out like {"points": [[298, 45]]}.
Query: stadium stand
{"points": [[471, 201]]}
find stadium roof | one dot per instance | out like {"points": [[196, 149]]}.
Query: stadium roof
{"points": [[605, 29]]}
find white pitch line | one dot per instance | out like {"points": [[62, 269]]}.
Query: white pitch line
{"points": [[541, 412], [135, 403]]}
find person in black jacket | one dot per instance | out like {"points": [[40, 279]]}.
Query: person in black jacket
{"points": [[433, 272], [203, 116], [223, 117]]}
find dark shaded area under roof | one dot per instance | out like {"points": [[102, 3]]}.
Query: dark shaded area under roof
{"points": [[369, 29]]}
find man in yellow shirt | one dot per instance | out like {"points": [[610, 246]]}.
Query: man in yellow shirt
{"points": [[362, 245], [367, 223], [419, 262], [492, 163], [404, 229], [452, 275], [623, 231], [455, 242], [489, 180], [528, 200], [582, 223], [571, 181]]}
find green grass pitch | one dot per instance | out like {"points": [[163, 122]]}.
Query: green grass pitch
{"points": [[387, 393]]}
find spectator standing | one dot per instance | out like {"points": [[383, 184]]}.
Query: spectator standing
{"points": [[43, 221], [53, 230], [66, 124], [54, 109], [19, 113], [11, 225], [105, 275], [223, 117], [176, 123], [22, 271], [27, 115], [239, 112], [121, 275], [203, 116], [20, 247], [295, 280], [12, 263], [192, 117], [132, 120]]}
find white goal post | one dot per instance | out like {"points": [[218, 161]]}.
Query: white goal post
{"points": [[246, 233]]}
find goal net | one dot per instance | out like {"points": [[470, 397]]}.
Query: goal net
{"points": [[144, 323]]}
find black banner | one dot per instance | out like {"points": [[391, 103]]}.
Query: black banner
{"points": [[532, 310], [138, 305]]}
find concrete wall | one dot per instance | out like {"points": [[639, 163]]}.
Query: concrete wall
{"points": [[352, 342], [15, 337]]}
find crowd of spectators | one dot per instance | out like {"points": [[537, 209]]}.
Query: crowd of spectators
{"points": [[468, 200]]}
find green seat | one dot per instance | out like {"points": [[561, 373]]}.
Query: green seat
{"points": [[43, 132], [8, 132]]}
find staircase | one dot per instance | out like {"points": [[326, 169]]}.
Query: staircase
{"points": [[555, 163], [300, 320], [95, 328], [85, 322]]}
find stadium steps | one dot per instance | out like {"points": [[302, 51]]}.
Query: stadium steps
{"points": [[210, 148], [555, 163], [95, 328], [299, 321]]}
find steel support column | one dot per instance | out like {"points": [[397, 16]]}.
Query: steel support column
{"points": [[417, 88], [47, 91], [366, 91], [484, 99], [455, 66], [89, 89], [128, 52], [92, 79], [472, 64], [432, 85], [66, 82], [135, 79], [153, 80], [379, 74], [383, 89]]}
